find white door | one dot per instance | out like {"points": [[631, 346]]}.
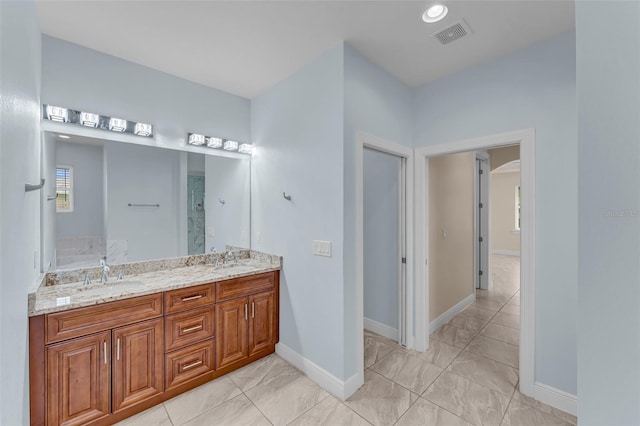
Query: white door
{"points": [[384, 198], [482, 221]]}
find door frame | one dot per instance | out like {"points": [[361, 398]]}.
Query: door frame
{"points": [[526, 139], [366, 140]]}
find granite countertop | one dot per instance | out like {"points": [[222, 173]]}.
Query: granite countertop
{"points": [[60, 297]]}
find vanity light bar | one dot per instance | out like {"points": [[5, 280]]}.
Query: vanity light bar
{"points": [[231, 146], [96, 121], [219, 143]]}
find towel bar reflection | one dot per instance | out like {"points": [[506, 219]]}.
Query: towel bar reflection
{"points": [[143, 205]]}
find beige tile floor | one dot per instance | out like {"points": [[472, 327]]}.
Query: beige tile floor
{"points": [[468, 376]]}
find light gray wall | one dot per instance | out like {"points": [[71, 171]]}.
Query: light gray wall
{"points": [[19, 211], [81, 78], [298, 133], [87, 218], [533, 87], [381, 236], [609, 212], [48, 207], [376, 103], [229, 180], [143, 175]]}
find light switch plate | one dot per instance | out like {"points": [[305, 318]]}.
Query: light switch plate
{"points": [[321, 248]]}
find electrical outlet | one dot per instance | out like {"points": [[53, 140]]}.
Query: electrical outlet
{"points": [[321, 248]]}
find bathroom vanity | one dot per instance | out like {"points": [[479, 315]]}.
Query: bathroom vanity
{"points": [[100, 353]]}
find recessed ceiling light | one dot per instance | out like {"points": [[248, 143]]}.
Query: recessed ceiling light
{"points": [[435, 13], [64, 136]]}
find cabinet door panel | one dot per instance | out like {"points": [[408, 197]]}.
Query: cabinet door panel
{"points": [[262, 322], [137, 363], [231, 332], [78, 380]]}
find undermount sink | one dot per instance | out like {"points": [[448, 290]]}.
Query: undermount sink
{"points": [[109, 285], [236, 269]]}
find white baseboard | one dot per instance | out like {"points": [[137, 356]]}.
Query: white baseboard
{"points": [[506, 252], [452, 312], [381, 329], [324, 379], [556, 398]]}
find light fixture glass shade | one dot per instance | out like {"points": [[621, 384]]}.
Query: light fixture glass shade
{"points": [[117, 124], [435, 13], [246, 148], [196, 139], [214, 142], [58, 114], [143, 129], [231, 145], [89, 119]]}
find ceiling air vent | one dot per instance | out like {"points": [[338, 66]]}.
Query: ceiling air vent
{"points": [[454, 32]]}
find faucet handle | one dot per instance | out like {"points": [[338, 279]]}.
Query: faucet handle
{"points": [[120, 276], [87, 280]]}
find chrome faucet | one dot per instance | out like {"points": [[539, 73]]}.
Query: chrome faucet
{"points": [[87, 280], [105, 269], [228, 257]]}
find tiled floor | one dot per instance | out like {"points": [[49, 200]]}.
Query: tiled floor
{"points": [[468, 376]]}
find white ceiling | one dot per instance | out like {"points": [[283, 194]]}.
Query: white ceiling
{"points": [[245, 47]]}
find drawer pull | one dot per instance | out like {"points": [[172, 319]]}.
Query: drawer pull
{"points": [[253, 310], [104, 350], [118, 349], [190, 298], [245, 311], [190, 329], [193, 364]]}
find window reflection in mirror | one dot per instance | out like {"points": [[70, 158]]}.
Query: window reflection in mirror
{"points": [[132, 202]]}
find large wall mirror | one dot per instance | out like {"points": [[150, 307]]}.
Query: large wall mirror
{"points": [[133, 202]]}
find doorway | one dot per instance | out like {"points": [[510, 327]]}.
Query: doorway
{"points": [[526, 140], [404, 294]]}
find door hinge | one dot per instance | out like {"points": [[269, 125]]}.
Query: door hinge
{"points": [[404, 260], [481, 239], [480, 171], [481, 205], [480, 272]]}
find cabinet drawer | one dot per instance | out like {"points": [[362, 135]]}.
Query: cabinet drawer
{"points": [[239, 287], [188, 298], [82, 321], [188, 363], [188, 327]]}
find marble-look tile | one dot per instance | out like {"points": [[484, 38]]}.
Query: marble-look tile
{"points": [[330, 412], [519, 414], [375, 348], [569, 418], [511, 308], [266, 370], [486, 372], [439, 353], [153, 416], [406, 370], [507, 320], [488, 304], [474, 403], [467, 322], [237, 412], [453, 336], [380, 401], [282, 403], [475, 311], [424, 412], [201, 399], [502, 333], [496, 350], [496, 295]]}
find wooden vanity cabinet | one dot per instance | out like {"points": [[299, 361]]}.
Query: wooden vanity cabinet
{"points": [[78, 380], [246, 326], [100, 364]]}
